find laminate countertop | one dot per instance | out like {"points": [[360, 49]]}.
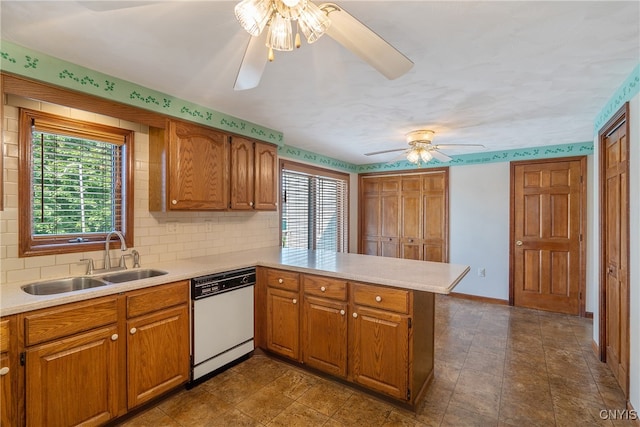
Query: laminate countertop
{"points": [[423, 276]]}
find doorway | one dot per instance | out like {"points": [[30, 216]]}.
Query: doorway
{"points": [[614, 246], [548, 219]]}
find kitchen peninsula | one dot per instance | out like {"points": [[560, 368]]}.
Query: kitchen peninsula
{"points": [[363, 320]]}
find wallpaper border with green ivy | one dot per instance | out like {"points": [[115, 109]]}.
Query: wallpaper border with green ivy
{"points": [[39, 66]]}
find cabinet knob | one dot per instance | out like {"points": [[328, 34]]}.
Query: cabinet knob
{"points": [[341, 312], [378, 298], [114, 337], [133, 331], [4, 371], [322, 288], [250, 203], [280, 281], [410, 240], [295, 301], [174, 202], [355, 315], [390, 239], [519, 243]]}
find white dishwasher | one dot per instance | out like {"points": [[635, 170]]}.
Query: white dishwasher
{"points": [[222, 321]]}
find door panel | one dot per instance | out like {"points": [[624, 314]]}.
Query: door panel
{"points": [[547, 226], [615, 256]]}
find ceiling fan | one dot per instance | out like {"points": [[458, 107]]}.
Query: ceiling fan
{"points": [[421, 149], [270, 24]]}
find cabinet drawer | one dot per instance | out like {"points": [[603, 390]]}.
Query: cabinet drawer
{"points": [[283, 279], [4, 335], [380, 297], [325, 287], [48, 324], [156, 298]]}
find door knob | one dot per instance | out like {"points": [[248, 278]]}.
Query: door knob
{"points": [[519, 243]]}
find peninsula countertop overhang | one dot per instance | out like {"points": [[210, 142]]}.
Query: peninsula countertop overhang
{"points": [[422, 276]]}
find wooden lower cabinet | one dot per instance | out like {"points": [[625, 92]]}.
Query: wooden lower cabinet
{"points": [[157, 354], [380, 351], [379, 337], [321, 350], [8, 372], [283, 322], [89, 362], [73, 381]]}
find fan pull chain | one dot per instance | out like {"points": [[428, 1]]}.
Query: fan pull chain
{"points": [[270, 55], [298, 43]]}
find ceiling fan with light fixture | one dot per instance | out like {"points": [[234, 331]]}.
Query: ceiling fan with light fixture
{"points": [[270, 24], [422, 150]]}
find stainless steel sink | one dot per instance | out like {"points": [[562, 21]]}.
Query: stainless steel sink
{"points": [[129, 275], [60, 286]]}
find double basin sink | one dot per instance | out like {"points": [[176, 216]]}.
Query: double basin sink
{"points": [[59, 286]]}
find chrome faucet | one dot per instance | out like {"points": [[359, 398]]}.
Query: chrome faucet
{"points": [[123, 247]]}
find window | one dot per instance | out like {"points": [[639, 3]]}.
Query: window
{"points": [[80, 184], [314, 208]]}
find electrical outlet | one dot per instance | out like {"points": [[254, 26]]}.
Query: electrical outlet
{"points": [[172, 227], [208, 226], [481, 272]]}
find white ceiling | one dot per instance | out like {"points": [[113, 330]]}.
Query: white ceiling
{"points": [[503, 74]]}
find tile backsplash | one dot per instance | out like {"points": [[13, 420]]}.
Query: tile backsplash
{"points": [[158, 236]]}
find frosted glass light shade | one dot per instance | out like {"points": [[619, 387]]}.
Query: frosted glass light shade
{"points": [[279, 37], [313, 22], [253, 15], [425, 155], [413, 156]]}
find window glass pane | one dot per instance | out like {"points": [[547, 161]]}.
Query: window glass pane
{"points": [[77, 185], [313, 211]]}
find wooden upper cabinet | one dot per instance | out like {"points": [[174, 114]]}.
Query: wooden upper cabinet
{"points": [[198, 167], [266, 176], [254, 175], [188, 168], [242, 173]]}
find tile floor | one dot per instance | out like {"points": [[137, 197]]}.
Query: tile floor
{"points": [[495, 366]]}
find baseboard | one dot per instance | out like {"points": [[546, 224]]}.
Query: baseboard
{"points": [[480, 299], [588, 315]]}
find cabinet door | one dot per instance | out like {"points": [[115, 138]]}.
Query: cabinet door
{"points": [[266, 176], [8, 379], [283, 322], [435, 222], [157, 353], [73, 381], [198, 168], [324, 335], [380, 351], [242, 173]]}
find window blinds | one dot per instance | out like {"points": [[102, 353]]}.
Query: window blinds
{"points": [[77, 185], [314, 211]]}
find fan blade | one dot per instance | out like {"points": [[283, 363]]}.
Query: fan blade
{"points": [[253, 63], [452, 146], [104, 6], [361, 40], [384, 151], [440, 156]]}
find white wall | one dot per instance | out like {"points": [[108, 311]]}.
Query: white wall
{"points": [[196, 233], [479, 227]]}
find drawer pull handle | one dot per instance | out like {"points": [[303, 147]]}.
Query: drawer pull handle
{"points": [[281, 281], [378, 298], [133, 331], [295, 301], [341, 312], [355, 315], [114, 337], [4, 371], [322, 288]]}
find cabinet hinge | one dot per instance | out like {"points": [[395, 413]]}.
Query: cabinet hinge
{"points": [[581, 237], [580, 296], [408, 394], [23, 358], [409, 322]]}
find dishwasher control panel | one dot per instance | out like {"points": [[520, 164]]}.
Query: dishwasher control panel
{"points": [[204, 286]]}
